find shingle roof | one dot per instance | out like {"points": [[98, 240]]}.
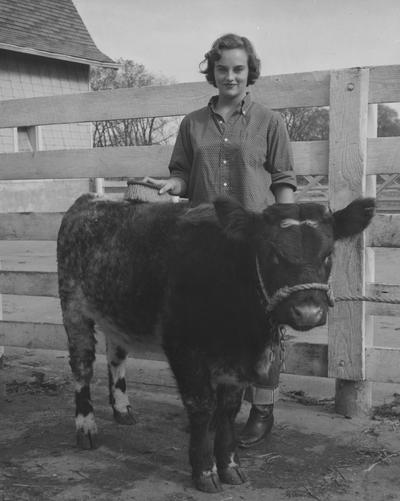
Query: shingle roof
{"points": [[48, 27]]}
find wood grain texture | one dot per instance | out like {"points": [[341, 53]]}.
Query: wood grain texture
{"points": [[29, 283], [384, 231], [347, 171]]}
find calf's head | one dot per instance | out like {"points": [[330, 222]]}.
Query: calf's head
{"points": [[291, 245]]}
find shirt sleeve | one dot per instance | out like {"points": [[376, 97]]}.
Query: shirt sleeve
{"points": [[182, 154], [280, 156]]}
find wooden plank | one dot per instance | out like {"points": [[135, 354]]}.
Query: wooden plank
{"points": [[384, 86], [383, 291], [384, 231], [311, 157], [29, 283], [301, 358], [277, 91], [30, 226], [382, 364], [347, 171], [383, 155], [97, 162]]}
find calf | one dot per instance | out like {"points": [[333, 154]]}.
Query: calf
{"points": [[213, 282]]}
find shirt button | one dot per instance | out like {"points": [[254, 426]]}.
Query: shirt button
{"points": [[224, 162], [225, 139], [225, 184]]}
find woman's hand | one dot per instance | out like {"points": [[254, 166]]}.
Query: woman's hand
{"points": [[172, 185]]}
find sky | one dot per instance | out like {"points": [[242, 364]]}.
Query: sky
{"points": [[170, 37]]}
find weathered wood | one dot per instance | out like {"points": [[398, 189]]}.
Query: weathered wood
{"points": [[384, 85], [311, 157], [278, 91], [383, 155], [347, 181], [30, 226], [353, 398], [384, 231], [98, 162], [383, 291], [382, 364], [29, 283], [347, 170], [275, 91], [301, 358], [305, 359]]}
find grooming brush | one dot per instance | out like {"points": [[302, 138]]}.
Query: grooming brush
{"points": [[146, 192]]}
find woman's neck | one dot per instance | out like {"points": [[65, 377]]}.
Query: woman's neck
{"points": [[226, 106]]}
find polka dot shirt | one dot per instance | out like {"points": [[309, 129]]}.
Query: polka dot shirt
{"points": [[244, 158]]}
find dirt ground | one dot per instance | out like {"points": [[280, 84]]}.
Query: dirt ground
{"points": [[312, 453]]}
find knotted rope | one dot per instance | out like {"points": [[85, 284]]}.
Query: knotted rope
{"points": [[284, 292]]}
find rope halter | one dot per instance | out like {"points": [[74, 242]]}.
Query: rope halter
{"points": [[272, 301]]}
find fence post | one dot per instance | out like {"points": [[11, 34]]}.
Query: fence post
{"points": [[347, 181]]}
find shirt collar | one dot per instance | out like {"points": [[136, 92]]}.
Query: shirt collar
{"points": [[244, 105]]}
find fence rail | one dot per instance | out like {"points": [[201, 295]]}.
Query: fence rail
{"points": [[350, 159]]}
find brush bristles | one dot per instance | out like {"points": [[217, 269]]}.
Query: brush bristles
{"points": [[144, 192]]}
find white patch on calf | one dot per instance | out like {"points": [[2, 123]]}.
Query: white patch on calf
{"points": [[121, 400], [286, 223], [86, 423], [232, 462]]}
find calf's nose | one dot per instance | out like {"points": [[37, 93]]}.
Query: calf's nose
{"points": [[307, 314]]}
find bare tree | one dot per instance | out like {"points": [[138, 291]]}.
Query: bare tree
{"points": [[132, 131]]}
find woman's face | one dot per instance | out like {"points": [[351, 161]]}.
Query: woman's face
{"points": [[231, 72]]}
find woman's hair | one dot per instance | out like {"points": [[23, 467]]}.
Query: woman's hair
{"points": [[230, 41]]}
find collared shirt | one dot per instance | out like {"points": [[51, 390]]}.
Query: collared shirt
{"points": [[242, 158]]}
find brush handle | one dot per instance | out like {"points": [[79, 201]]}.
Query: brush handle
{"points": [[130, 182]]}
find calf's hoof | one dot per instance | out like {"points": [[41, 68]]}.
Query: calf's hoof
{"points": [[233, 475], [86, 440], [126, 418], [207, 481]]}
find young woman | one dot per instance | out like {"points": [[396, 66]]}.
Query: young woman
{"points": [[238, 148]]}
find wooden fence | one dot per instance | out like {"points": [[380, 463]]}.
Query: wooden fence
{"points": [[351, 158]]}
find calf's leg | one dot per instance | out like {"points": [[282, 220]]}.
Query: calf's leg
{"points": [[199, 399], [116, 358], [229, 400], [81, 343]]}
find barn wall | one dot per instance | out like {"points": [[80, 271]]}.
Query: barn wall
{"points": [[23, 76]]}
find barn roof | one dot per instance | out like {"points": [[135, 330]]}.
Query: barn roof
{"points": [[50, 28]]}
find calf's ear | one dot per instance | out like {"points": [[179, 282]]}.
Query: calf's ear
{"points": [[236, 222], [354, 218]]}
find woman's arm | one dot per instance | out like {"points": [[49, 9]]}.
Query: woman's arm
{"points": [[284, 194]]}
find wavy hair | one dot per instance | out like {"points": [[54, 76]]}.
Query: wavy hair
{"points": [[230, 41]]}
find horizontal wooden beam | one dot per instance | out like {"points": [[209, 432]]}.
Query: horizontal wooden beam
{"points": [[384, 231], [311, 157], [383, 155], [34, 283], [382, 364], [278, 91], [275, 91], [87, 163], [303, 359], [29, 283], [383, 291], [30, 226]]}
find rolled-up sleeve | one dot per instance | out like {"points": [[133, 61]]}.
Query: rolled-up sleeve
{"points": [[182, 154], [280, 156]]}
